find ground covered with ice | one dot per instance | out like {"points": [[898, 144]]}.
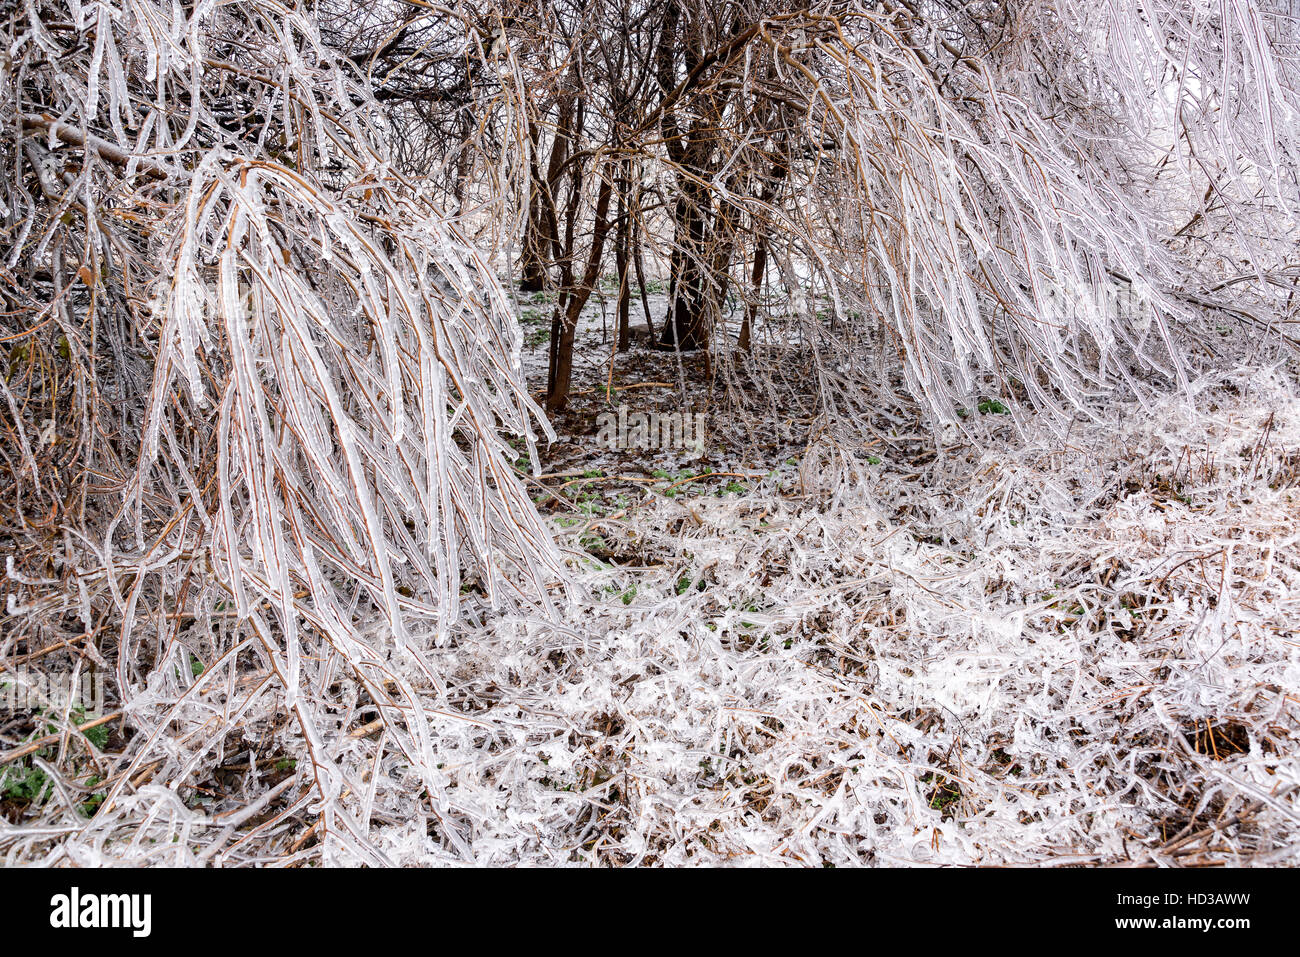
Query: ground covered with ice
{"points": [[977, 650], [1084, 650]]}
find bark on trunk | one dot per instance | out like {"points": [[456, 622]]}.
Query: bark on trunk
{"points": [[573, 302], [622, 253], [541, 246], [685, 324]]}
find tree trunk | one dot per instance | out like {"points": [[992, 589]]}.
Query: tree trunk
{"points": [[780, 169], [637, 260], [756, 288], [541, 246], [622, 254], [684, 324], [574, 300]]}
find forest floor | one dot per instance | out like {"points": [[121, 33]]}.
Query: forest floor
{"points": [[1002, 645], [1078, 649]]}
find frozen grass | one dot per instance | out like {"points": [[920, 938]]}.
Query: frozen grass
{"points": [[1051, 652]]}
